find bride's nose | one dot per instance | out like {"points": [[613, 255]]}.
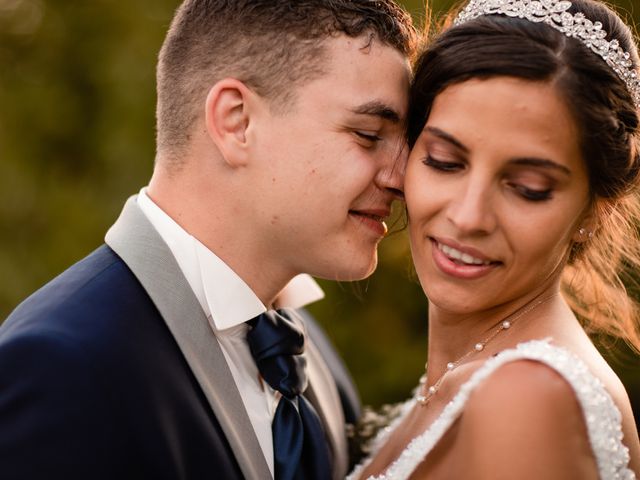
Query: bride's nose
{"points": [[471, 207]]}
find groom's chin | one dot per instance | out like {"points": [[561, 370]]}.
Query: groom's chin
{"points": [[357, 267]]}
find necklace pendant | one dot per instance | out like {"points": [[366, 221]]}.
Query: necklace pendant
{"points": [[423, 400]]}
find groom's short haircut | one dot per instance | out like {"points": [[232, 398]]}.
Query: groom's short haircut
{"points": [[273, 46]]}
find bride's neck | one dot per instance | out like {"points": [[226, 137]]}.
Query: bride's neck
{"points": [[453, 335]]}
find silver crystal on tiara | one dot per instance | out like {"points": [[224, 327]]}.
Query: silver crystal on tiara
{"points": [[554, 13]]}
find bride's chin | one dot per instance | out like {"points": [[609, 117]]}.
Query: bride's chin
{"points": [[448, 304], [435, 310]]}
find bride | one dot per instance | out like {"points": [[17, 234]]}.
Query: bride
{"points": [[521, 190]]}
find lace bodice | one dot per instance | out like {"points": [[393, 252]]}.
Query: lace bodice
{"points": [[602, 417]]}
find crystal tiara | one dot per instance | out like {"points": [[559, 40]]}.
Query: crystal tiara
{"points": [[554, 13]]}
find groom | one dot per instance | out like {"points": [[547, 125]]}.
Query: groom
{"points": [[279, 151]]}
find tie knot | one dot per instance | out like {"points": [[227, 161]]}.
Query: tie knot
{"points": [[276, 341]]}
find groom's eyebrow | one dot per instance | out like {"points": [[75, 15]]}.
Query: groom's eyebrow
{"points": [[377, 108]]}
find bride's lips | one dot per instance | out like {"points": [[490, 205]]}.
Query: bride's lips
{"points": [[459, 261], [372, 218]]}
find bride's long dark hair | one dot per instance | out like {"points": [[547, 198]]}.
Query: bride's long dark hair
{"points": [[598, 271]]}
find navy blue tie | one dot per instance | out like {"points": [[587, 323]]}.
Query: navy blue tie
{"points": [[276, 340]]}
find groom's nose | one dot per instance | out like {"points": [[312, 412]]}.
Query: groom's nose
{"points": [[391, 176]]}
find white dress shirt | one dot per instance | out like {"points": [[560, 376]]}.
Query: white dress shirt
{"points": [[228, 303]]}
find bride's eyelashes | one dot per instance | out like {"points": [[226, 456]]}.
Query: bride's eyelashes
{"points": [[531, 194], [443, 165], [525, 192]]}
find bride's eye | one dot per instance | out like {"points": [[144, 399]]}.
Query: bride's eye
{"points": [[443, 165], [533, 195]]}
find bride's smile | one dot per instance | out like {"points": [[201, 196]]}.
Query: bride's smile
{"points": [[459, 262], [462, 255]]}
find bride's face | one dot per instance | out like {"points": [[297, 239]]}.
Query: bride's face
{"points": [[496, 190]]}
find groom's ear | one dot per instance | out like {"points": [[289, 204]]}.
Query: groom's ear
{"points": [[227, 119]]}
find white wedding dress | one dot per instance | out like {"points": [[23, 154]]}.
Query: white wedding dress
{"points": [[602, 417]]}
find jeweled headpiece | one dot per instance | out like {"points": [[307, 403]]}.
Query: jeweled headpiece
{"points": [[575, 25]]}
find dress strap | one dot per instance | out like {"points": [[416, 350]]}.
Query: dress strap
{"points": [[602, 417]]}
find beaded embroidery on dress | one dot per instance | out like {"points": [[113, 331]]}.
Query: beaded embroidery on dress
{"points": [[602, 417]]}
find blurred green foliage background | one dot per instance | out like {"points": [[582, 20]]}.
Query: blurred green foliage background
{"points": [[77, 99]]}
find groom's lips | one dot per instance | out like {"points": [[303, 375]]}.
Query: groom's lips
{"points": [[373, 218]]}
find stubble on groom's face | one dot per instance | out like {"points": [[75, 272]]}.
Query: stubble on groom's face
{"points": [[334, 162]]}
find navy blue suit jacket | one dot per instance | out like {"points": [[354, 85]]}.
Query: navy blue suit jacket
{"points": [[94, 386]]}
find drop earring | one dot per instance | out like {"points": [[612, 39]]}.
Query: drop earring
{"points": [[583, 231]]}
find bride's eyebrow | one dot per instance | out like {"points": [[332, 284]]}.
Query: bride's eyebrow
{"points": [[541, 163], [447, 137]]}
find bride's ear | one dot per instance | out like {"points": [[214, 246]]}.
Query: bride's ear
{"points": [[589, 222]]}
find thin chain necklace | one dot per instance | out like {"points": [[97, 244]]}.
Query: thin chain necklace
{"points": [[426, 393]]}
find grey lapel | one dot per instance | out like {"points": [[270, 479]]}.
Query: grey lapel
{"points": [[135, 240]]}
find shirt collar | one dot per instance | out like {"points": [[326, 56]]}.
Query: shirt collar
{"points": [[225, 298]]}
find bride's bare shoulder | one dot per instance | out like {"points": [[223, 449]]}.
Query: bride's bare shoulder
{"points": [[524, 421]]}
